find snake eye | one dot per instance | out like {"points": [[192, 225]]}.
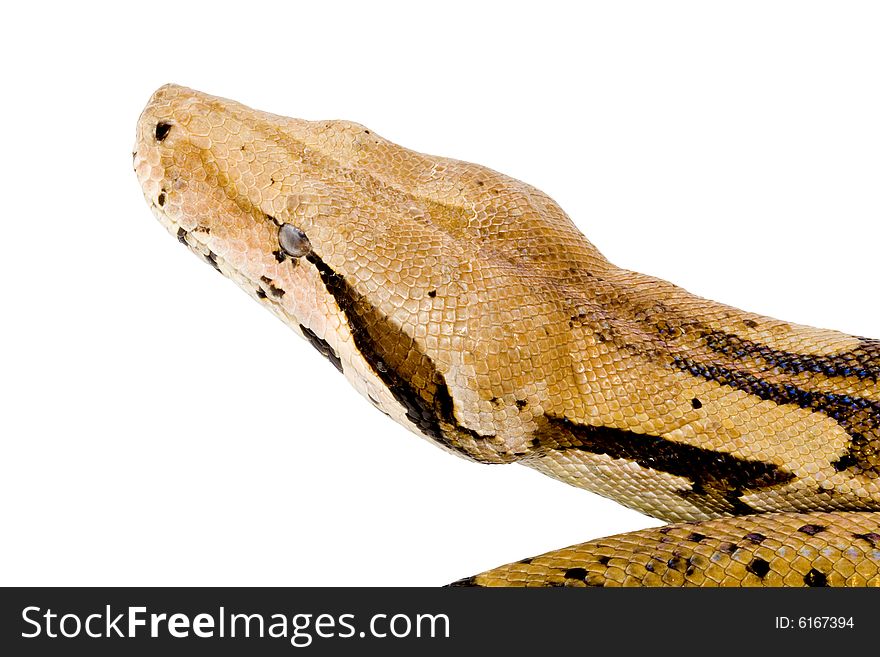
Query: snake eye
{"points": [[293, 241]]}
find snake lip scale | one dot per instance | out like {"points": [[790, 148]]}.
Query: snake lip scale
{"points": [[466, 306]]}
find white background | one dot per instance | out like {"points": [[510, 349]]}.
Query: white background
{"points": [[732, 148]]}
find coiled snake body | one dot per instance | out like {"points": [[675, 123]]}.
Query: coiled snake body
{"points": [[466, 305]]}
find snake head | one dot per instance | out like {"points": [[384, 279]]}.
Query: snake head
{"points": [[277, 205], [251, 194], [386, 260]]}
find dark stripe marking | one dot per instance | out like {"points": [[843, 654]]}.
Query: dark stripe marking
{"points": [[322, 346], [718, 479], [858, 416], [863, 362], [409, 374]]}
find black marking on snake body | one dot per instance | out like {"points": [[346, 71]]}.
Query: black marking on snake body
{"points": [[467, 581], [755, 537], [811, 530], [576, 573], [871, 537], [862, 362], [732, 498], [815, 578], [280, 256], [276, 292], [211, 259], [260, 293], [846, 461], [862, 455], [322, 346], [410, 375], [181, 237], [759, 567], [718, 479], [676, 563]]}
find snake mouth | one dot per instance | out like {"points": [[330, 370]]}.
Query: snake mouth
{"points": [[195, 240], [156, 195], [195, 236]]}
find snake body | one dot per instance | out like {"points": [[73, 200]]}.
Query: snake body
{"points": [[468, 307]]}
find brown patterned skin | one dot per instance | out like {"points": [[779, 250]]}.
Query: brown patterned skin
{"points": [[771, 549], [468, 307]]}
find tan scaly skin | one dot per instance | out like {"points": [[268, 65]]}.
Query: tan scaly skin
{"points": [[468, 307]]}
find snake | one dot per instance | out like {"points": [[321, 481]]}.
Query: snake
{"points": [[469, 308]]}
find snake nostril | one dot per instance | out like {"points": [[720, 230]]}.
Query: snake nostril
{"points": [[162, 130]]}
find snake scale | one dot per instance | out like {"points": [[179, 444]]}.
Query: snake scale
{"points": [[467, 306]]}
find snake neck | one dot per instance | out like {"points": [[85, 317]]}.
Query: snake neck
{"points": [[716, 410]]}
